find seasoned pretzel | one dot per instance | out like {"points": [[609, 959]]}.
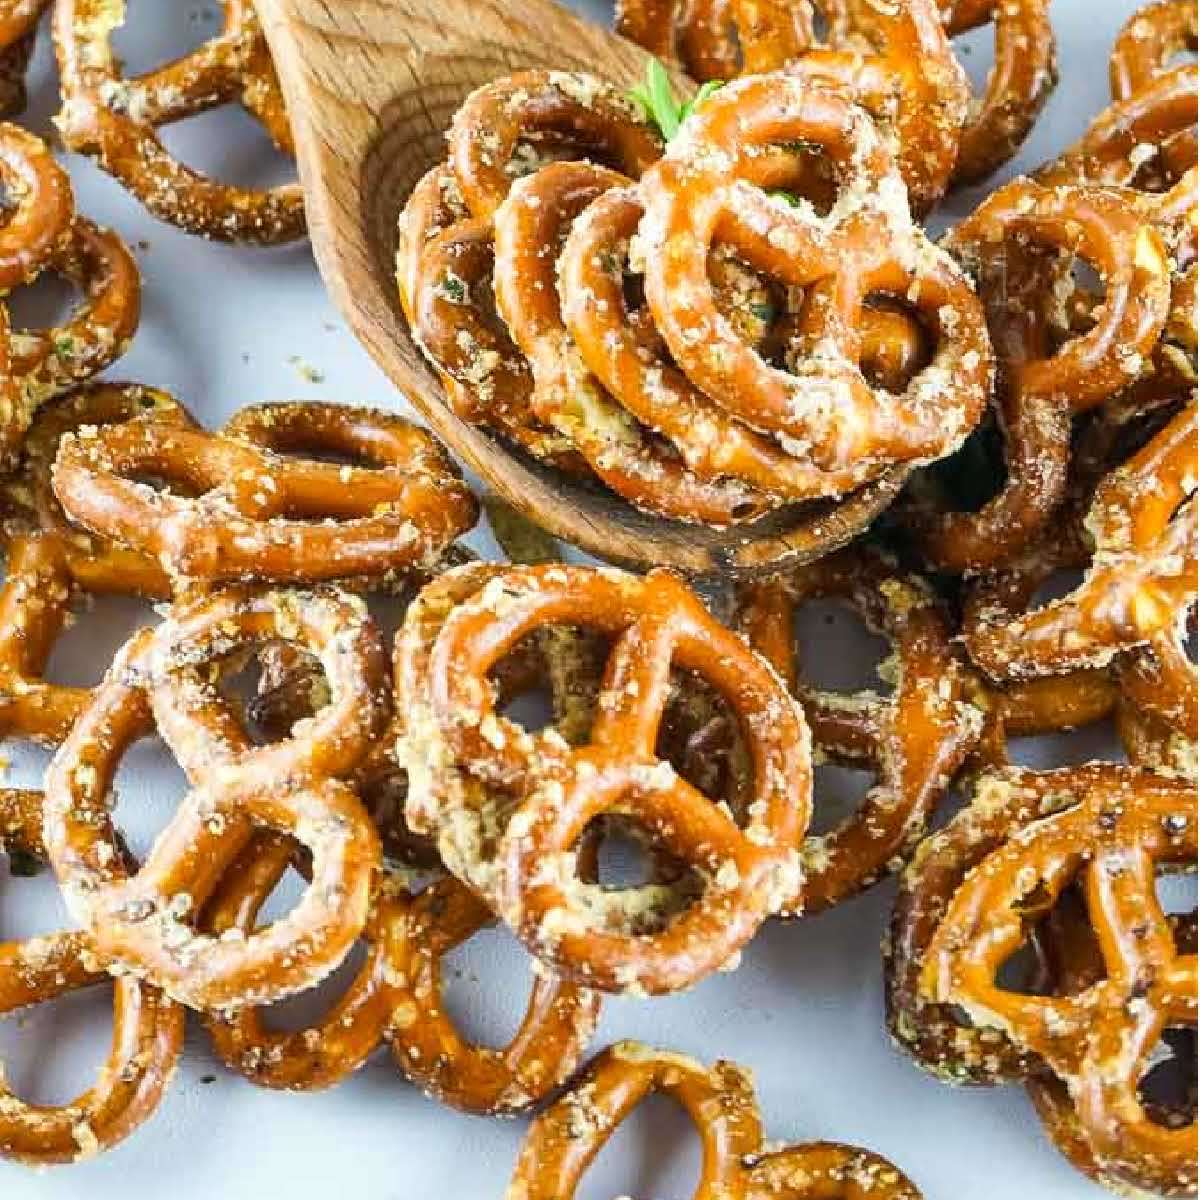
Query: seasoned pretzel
{"points": [[564, 1141], [164, 678], [509, 807], [529, 228], [1024, 74], [261, 512], [1042, 387], [18, 32], [1148, 42], [35, 602], [96, 565], [115, 119], [147, 1029], [1123, 826], [1142, 575], [1070, 961], [914, 741], [709, 187], [35, 223], [699, 34], [396, 996]]}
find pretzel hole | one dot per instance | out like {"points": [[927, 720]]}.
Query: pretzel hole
{"points": [[275, 688], [31, 902], [95, 630], [1176, 894], [653, 1152], [838, 652], [975, 472], [551, 679], [1069, 747], [838, 794], [1167, 1089], [1058, 584], [1019, 972], [53, 1051], [42, 304], [975, 49], [483, 1013], [154, 34], [149, 786]]}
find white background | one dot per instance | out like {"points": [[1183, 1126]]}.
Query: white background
{"points": [[226, 327]]}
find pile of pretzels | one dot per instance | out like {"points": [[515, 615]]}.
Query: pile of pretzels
{"points": [[714, 310]]}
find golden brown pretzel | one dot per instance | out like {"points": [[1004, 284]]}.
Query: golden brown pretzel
{"points": [[709, 187], [720, 1101], [699, 34], [1141, 578], [18, 32], [914, 741], [147, 1029], [396, 997], [115, 119], [1024, 74], [1121, 827], [509, 808], [261, 511], [1041, 386], [164, 678], [529, 228], [95, 564], [1147, 43], [35, 222]]}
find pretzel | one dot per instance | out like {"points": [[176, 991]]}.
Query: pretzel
{"points": [[1041, 386], [39, 207], [698, 34], [445, 262], [914, 741], [115, 120], [164, 678], [1143, 572], [567, 395], [94, 564], [260, 513], [1022, 77], [720, 1102], [508, 807], [823, 412], [35, 601], [1070, 961], [18, 32], [1148, 42], [147, 1029], [1123, 827]]}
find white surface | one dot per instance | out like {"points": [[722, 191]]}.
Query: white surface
{"points": [[225, 327]]}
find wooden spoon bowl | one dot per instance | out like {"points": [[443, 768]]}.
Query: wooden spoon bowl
{"points": [[371, 87]]}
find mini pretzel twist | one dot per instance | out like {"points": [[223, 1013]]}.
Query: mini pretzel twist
{"points": [[147, 1028], [720, 1102], [253, 509], [1148, 42], [95, 565], [1123, 827], [1042, 386], [115, 119], [169, 678], [18, 33], [1141, 578], [710, 184], [914, 741], [40, 232], [509, 808]]}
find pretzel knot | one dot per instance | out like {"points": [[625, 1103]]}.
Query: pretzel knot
{"points": [[721, 1104], [147, 1028], [914, 741], [397, 997], [116, 120], [1140, 582], [509, 807], [169, 678], [253, 508], [1043, 386], [1123, 826], [40, 232], [711, 186]]}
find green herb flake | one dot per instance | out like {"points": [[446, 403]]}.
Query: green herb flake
{"points": [[657, 99]]}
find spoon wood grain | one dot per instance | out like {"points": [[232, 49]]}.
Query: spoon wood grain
{"points": [[371, 87]]}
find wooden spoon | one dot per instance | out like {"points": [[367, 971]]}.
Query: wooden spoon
{"points": [[371, 87]]}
